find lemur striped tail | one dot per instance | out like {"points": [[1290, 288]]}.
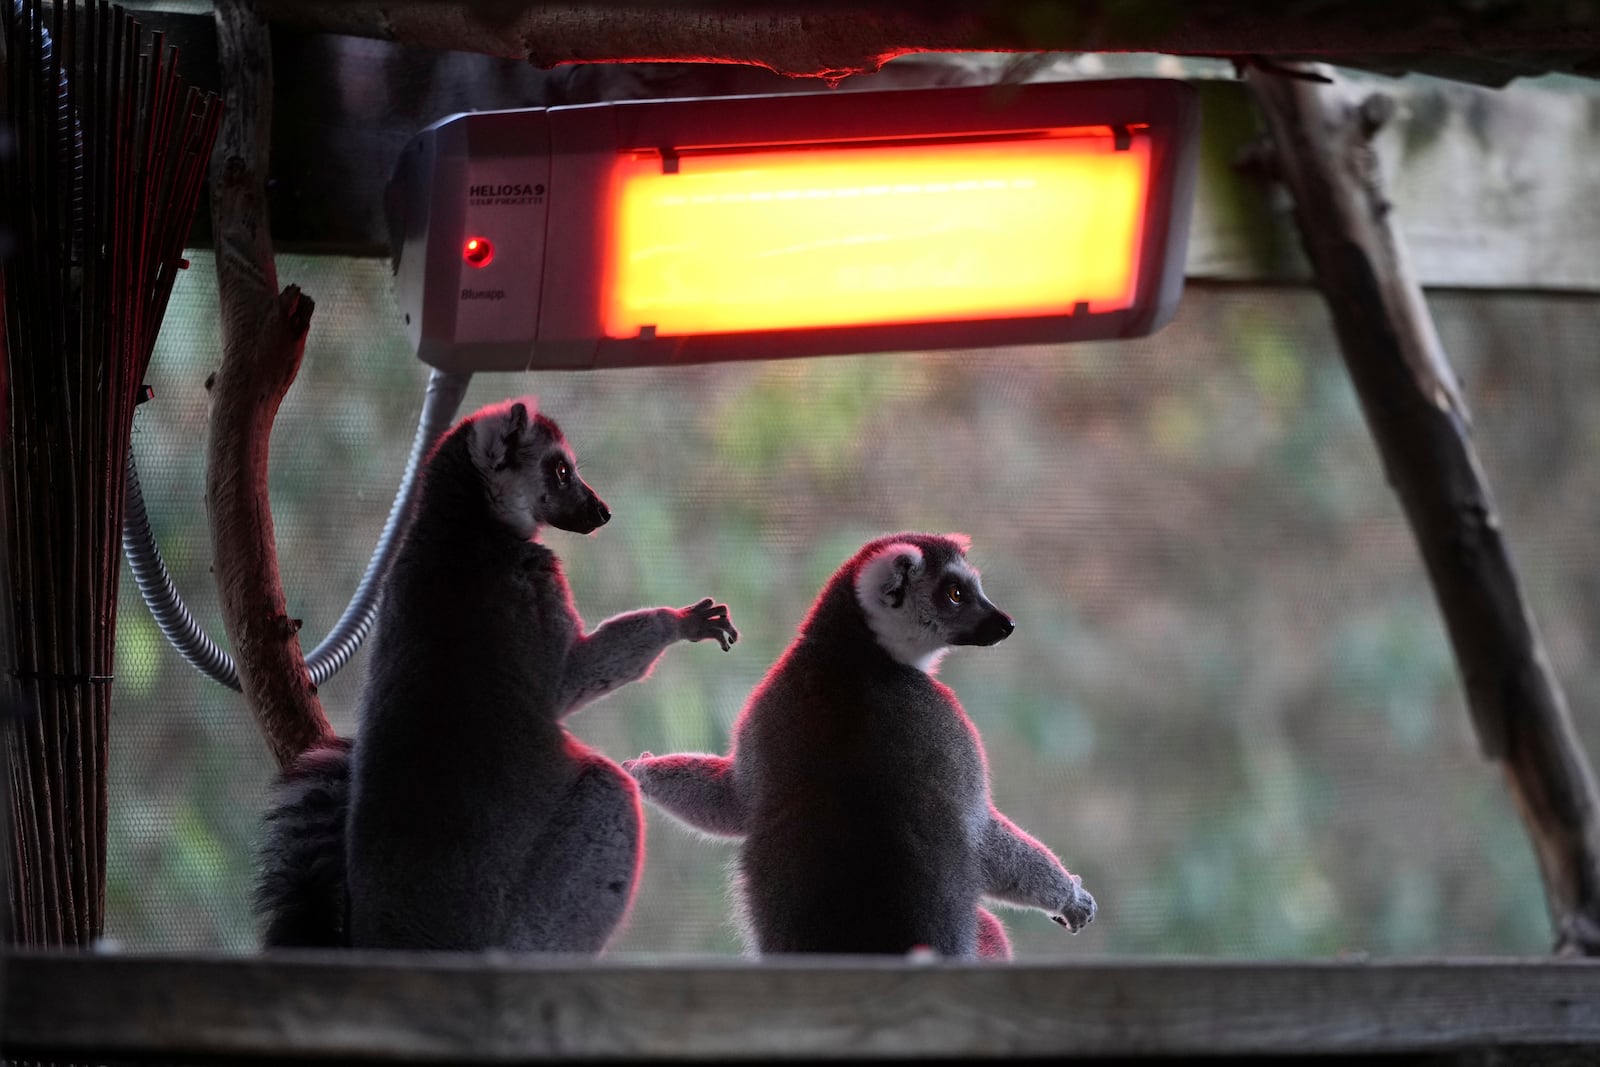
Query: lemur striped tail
{"points": [[302, 900]]}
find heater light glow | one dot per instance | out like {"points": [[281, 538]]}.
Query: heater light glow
{"points": [[782, 239]]}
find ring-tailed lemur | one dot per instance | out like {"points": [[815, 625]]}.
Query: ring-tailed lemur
{"points": [[857, 783], [465, 816]]}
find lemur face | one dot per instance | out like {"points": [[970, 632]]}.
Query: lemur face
{"points": [[970, 617], [529, 471], [922, 598], [567, 502]]}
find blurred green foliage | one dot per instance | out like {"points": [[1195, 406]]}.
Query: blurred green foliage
{"points": [[1229, 703]]}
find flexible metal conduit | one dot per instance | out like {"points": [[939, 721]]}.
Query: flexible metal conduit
{"points": [[439, 407]]}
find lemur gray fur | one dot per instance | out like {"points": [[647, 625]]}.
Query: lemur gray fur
{"points": [[856, 782], [464, 816]]}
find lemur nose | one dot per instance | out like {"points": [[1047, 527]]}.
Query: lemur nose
{"points": [[1006, 626], [602, 514]]}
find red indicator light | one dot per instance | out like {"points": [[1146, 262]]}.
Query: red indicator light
{"points": [[478, 252]]}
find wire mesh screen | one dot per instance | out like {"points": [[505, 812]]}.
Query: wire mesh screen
{"points": [[1229, 703]]}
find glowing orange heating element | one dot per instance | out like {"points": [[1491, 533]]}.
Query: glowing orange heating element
{"points": [[844, 236]]}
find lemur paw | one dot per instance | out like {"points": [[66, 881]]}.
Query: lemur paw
{"points": [[707, 620], [1077, 912]]}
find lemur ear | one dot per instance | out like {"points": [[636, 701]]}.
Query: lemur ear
{"points": [[898, 581], [516, 424], [888, 574], [495, 432]]}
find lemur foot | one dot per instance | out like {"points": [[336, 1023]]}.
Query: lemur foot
{"points": [[1077, 912], [707, 620]]}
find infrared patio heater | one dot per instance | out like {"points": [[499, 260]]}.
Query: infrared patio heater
{"points": [[659, 232], [756, 227]]}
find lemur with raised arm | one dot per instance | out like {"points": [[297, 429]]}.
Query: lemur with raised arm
{"points": [[464, 816], [857, 783]]}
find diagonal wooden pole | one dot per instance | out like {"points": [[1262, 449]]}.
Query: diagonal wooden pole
{"points": [[1323, 152], [263, 341]]}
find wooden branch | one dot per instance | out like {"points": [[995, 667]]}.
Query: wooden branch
{"points": [[473, 1009], [830, 39], [263, 340], [1415, 410]]}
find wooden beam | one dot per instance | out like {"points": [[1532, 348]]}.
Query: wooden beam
{"points": [[831, 39], [1323, 151], [1494, 189], [491, 1009], [263, 340]]}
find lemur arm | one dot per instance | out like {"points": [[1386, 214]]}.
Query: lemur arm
{"points": [[699, 791], [623, 649], [1019, 870]]}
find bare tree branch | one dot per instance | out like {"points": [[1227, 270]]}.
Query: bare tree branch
{"points": [[1414, 407], [263, 340]]}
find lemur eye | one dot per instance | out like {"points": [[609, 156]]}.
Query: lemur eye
{"points": [[563, 473], [954, 593]]}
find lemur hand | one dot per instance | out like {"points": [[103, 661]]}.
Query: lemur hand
{"points": [[707, 620], [639, 768], [1078, 911]]}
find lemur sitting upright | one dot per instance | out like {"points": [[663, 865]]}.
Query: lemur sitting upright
{"points": [[857, 783], [465, 816]]}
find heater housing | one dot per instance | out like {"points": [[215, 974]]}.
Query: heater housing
{"points": [[657, 232]]}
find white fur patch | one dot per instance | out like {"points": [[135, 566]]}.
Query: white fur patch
{"points": [[897, 627], [511, 492], [961, 541]]}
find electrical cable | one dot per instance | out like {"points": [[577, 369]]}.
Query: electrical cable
{"points": [[445, 392]]}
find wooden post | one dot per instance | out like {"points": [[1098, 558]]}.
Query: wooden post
{"points": [[10, 692], [1323, 152], [263, 340]]}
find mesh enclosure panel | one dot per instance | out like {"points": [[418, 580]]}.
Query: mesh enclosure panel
{"points": [[1229, 703]]}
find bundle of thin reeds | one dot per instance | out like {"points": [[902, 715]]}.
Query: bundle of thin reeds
{"points": [[98, 193]]}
